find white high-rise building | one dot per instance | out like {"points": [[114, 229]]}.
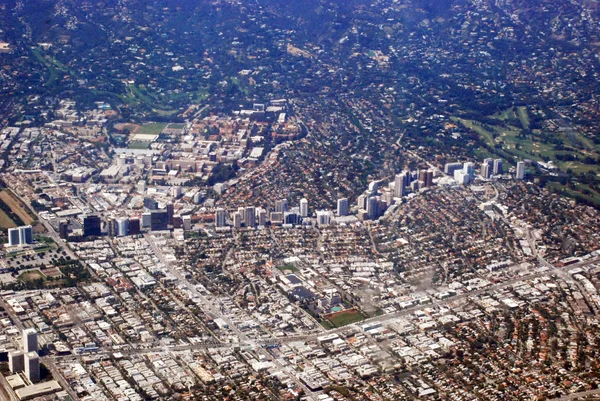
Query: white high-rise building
{"points": [[304, 207], [220, 218], [30, 340], [520, 170], [342, 207], [399, 187], [497, 166], [122, 227], [323, 218], [13, 236]]}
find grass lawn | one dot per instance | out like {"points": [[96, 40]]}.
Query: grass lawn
{"points": [[344, 318], [523, 116], [152, 128], [288, 267], [138, 145]]}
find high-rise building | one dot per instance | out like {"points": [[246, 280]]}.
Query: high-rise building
{"points": [[485, 170], [304, 207], [373, 208], [362, 202], [292, 218], [262, 217], [373, 187], [250, 216], [400, 185], [450, 168], [186, 221], [237, 220], [497, 167], [32, 366], [159, 220], [146, 219], [16, 361], [281, 206], [30, 340], [134, 226], [220, 218], [63, 229], [520, 171], [92, 226], [276, 217], [342, 207], [122, 227], [111, 228], [323, 218], [176, 192], [13, 236], [20, 235], [469, 169], [429, 178], [170, 211]]}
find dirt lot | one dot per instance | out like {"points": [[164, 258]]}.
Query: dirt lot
{"points": [[16, 206]]}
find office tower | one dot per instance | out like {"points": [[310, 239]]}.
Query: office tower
{"points": [[140, 187], [292, 218], [134, 226], [450, 168], [220, 218], [373, 208], [92, 225], [407, 178], [170, 210], [237, 220], [150, 204], [16, 361], [197, 198], [250, 216], [186, 221], [146, 218], [20, 235], [159, 220], [122, 227], [13, 236], [111, 228], [485, 170], [176, 192], [520, 170], [281, 206], [262, 217], [32, 366], [63, 229], [469, 169], [398, 185], [387, 197], [30, 340], [342, 207], [428, 178], [373, 187], [490, 162], [497, 167], [362, 202], [423, 176], [304, 207], [276, 217], [323, 218], [461, 177]]}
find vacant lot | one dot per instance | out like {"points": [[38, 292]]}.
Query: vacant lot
{"points": [[16, 206], [31, 275], [6, 221]]}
